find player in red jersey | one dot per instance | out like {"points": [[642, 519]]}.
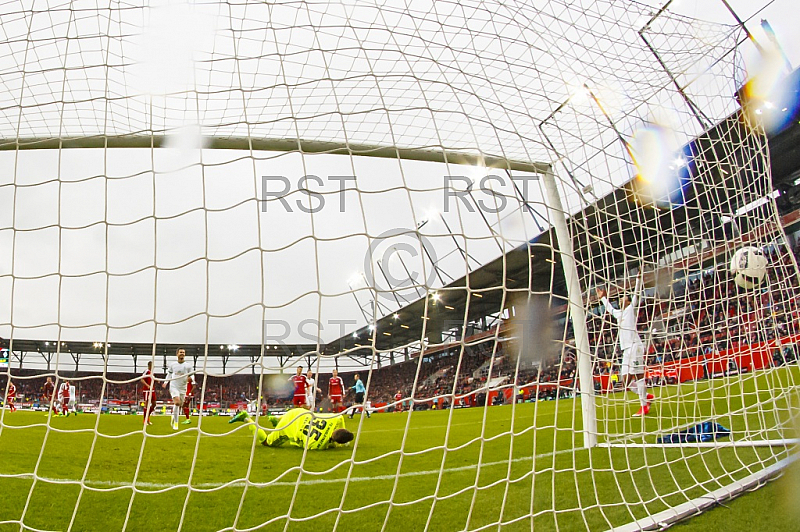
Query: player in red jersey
{"points": [[336, 392], [300, 383], [11, 395], [398, 399], [63, 397], [48, 390], [148, 393], [187, 401]]}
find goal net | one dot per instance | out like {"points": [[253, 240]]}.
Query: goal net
{"points": [[452, 201]]}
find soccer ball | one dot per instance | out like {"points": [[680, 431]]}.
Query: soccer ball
{"points": [[749, 267]]}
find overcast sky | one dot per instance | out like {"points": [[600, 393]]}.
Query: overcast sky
{"points": [[107, 243]]}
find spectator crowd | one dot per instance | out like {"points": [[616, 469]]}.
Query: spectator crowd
{"points": [[698, 315]]}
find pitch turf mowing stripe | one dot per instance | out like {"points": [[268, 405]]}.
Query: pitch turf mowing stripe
{"points": [[634, 460], [109, 484]]}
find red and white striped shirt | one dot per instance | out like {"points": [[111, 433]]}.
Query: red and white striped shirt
{"points": [[335, 386], [63, 391], [300, 383], [147, 377]]}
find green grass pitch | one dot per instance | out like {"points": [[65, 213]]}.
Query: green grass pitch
{"points": [[519, 465]]}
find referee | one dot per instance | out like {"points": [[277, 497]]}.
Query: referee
{"points": [[360, 390]]}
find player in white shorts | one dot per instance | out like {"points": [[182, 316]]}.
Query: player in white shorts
{"points": [[177, 377], [632, 369], [633, 358], [311, 390]]}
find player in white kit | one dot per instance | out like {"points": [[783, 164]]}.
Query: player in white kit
{"points": [[66, 398], [177, 377], [631, 344], [311, 390]]}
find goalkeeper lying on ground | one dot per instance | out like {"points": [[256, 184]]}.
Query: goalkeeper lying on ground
{"points": [[300, 428]]}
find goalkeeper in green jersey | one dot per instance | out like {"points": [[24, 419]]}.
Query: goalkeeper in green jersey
{"points": [[300, 428]]}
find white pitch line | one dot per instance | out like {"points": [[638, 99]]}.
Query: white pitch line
{"points": [[401, 429], [214, 485]]}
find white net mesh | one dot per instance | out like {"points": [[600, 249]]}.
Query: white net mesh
{"points": [[365, 187]]}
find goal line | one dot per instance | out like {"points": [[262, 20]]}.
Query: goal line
{"points": [[715, 444]]}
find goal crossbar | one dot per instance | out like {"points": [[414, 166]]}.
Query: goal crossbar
{"points": [[305, 146]]}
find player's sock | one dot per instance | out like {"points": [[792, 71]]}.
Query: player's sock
{"points": [[186, 411], [176, 413], [641, 389], [262, 434]]}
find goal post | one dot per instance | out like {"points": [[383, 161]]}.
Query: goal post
{"points": [[576, 311]]}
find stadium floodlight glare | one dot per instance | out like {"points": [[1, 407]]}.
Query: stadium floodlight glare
{"points": [[355, 278], [579, 93], [429, 215]]}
